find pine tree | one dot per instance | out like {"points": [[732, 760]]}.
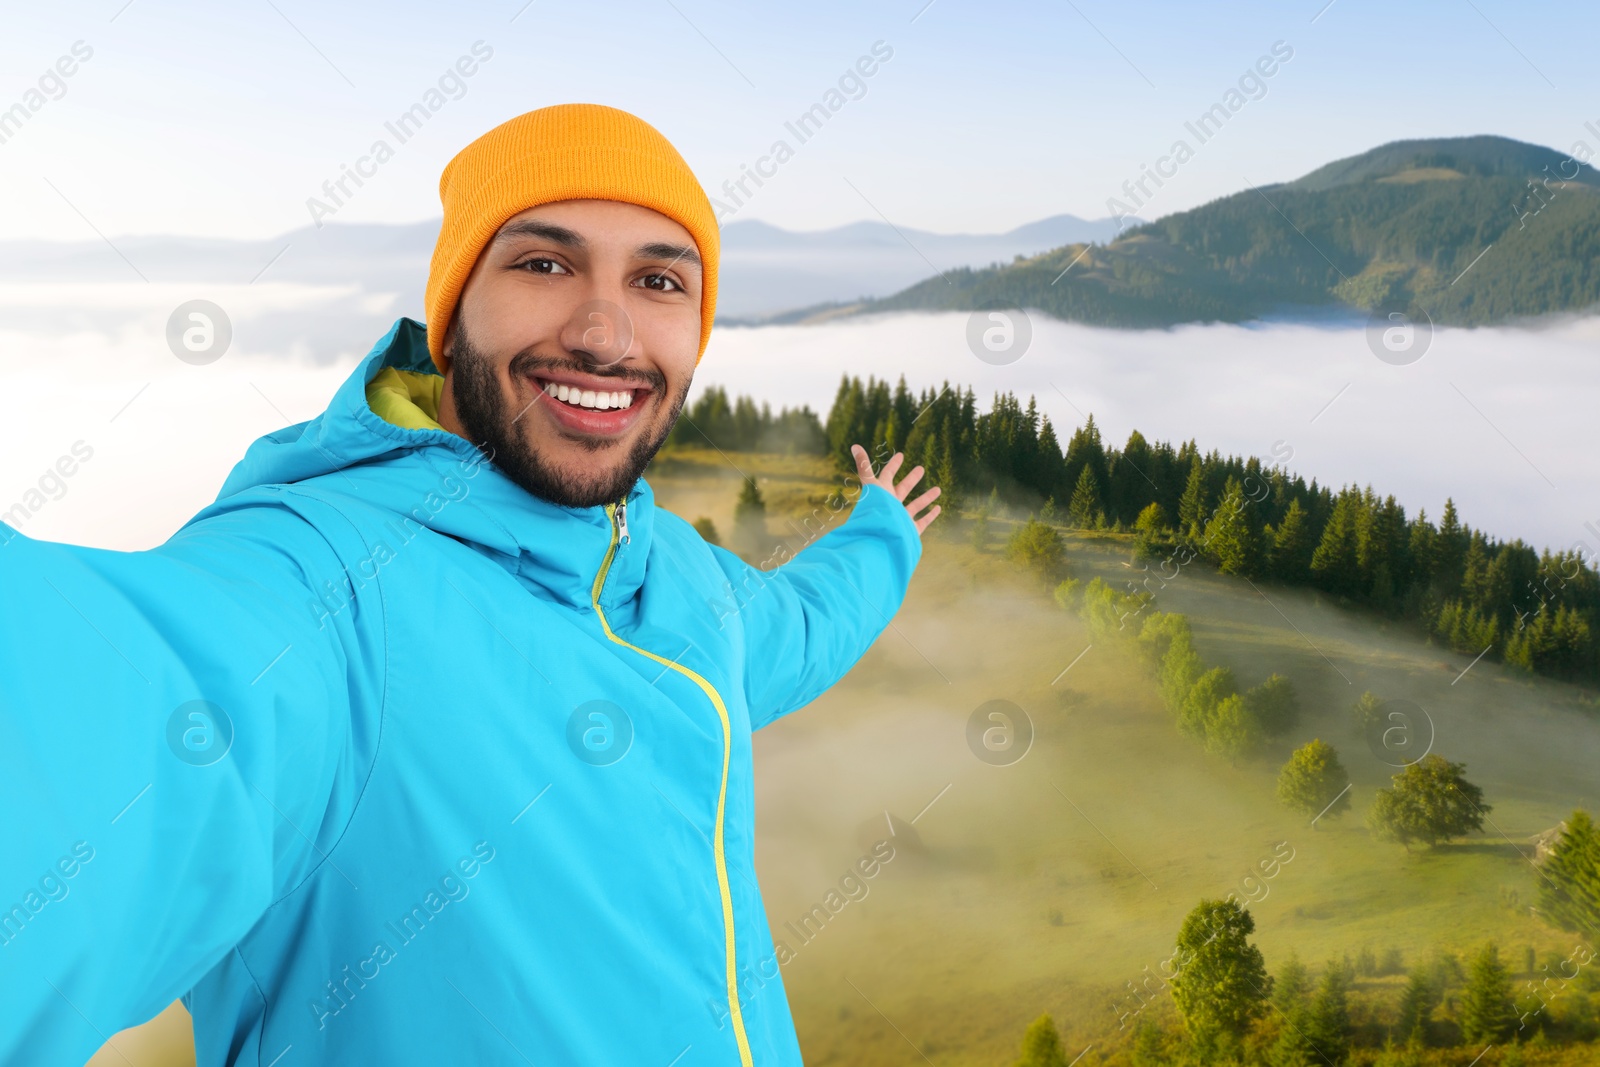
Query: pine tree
{"points": [[1195, 502], [1417, 1001], [1291, 986], [1314, 779], [1334, 564], [1422, 548], [1290, 555], [1134, 477], [1570, 889], [1050, 474], [1230, 536], [1085, 449], [1487, 1011], [1449, 551], [1403, 1056], [1084, 510], [1328, 1021], [1293, 1047]]}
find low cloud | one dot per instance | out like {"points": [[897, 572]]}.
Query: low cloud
{"points": [[1489, 416]]}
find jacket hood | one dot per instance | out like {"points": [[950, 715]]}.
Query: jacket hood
{"points": [[442, 481]]}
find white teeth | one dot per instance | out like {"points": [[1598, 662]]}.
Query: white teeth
{"points": [[590, 398]]}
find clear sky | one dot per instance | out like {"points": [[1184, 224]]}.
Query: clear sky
{"points": [[223, 119]]}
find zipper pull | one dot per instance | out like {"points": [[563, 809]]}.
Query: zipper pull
{"points": [[622, 521]]}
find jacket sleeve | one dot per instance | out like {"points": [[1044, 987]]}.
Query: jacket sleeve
{"points": [[807, 621], [183, 738]]}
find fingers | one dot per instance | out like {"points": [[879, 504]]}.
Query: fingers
{"points": [[926, 520], [886, 476], [923, 501], [863, 464], [908, 483]]}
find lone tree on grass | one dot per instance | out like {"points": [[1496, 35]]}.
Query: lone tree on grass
{"points": [[750, 518], [1036, 544], [1314, 782], [1222, 984], [1150, 531], [1041, 1045], [1429, 802], [1364, 712]]}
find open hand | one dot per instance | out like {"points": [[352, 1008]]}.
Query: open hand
{"points": [[885, 479]]}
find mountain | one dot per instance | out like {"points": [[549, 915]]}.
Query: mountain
{"points": [[1469, 230], [767, 270]]}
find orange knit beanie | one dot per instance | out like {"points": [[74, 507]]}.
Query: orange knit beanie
{"points": [[564, 152]]}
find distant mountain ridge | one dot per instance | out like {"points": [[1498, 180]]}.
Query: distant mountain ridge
{"points": [[765, 270], [1467, 230]]}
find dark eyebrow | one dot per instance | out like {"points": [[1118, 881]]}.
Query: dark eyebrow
{"points": [[676, 253], [545, 230]]}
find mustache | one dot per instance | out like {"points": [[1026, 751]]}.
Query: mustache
{"points": [[529, 364]]}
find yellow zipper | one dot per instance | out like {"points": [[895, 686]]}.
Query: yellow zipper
{"points": [[618, 515]]}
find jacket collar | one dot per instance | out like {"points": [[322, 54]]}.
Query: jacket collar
{"points": [[442, 481]]}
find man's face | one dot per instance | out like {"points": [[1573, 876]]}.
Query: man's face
{"points": [[573, 346]]}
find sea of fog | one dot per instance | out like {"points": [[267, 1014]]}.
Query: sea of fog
{"points": [[1503, 420]]}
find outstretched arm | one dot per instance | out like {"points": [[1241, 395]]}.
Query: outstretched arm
{"points": [[179, 742], [809, 620]]}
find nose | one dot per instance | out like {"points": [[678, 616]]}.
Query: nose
{"points": [[600, 332]]}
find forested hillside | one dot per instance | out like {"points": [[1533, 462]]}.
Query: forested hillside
{"points": [[1469, 231], [1531, 608]]}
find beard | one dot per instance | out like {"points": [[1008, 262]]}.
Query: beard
{"points": [[492, 426]]}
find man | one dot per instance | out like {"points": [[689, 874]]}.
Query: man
{"points": [[429, 740]]}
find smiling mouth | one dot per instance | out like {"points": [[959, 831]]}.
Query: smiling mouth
{"points": [[592, 399]]}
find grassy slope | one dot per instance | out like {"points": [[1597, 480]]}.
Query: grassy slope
{"points": [[957, 949]]}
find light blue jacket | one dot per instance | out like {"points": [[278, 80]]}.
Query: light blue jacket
{"points": [[382, 760]]}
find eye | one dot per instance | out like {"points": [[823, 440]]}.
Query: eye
{"points": [[661, 283], [542, 265]]}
